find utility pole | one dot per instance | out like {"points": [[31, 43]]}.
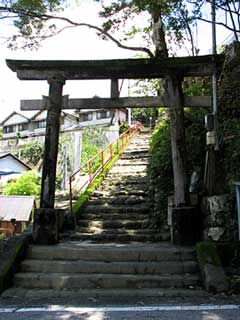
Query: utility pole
{"points": [[214, 77], [129, 109]]}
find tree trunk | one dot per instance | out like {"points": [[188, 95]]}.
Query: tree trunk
{"points": [[173, 87], [173, 90]]}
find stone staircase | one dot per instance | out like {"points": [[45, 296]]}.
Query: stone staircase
{"points": [[120, 210], [106, 269], [115, 252]]}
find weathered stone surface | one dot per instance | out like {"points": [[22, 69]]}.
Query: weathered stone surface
{"points": [[219, 218], [121, 209], [13, 251], [215, 279], [216, 233], [84, 265], [46, 226]]}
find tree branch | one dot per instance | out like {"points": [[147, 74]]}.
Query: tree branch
{"points": [[220, 24], [47, 17]]}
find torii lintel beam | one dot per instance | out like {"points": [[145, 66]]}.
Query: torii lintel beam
{"points": [[115, 103], [116, 69]]}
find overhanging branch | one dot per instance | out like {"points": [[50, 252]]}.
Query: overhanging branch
{"points": [[47, 17]]}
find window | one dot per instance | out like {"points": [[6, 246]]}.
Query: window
{"points": [[41, 124], [85, 117], [22, 126], [9, 129], [103, 115]]}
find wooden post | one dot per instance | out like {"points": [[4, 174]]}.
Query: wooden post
{"points": [[174, 91], [114, 88], [51, 142], [46, 218]]}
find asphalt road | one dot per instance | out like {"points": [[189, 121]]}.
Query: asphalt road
{"points": [[168, 312]]}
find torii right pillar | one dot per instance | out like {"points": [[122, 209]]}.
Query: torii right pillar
{"points": [[183, 216]]}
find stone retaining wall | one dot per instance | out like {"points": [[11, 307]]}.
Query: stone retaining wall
{"points": [[219, 218], [12, 252]]}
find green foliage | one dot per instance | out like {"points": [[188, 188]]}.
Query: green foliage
{"points": [[143, 115], [207, 253], [177, 17], [160, 166], [230, 149], [1, 133], [123, 127], [89, 151], [32, 152], [195, 138], [2, 237], [30, 19], [27, 184]]}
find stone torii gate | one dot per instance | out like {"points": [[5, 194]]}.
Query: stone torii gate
{"points": [[57, 72]]}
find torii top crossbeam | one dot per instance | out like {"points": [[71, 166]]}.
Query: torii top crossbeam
{"points": [[116, 69]]}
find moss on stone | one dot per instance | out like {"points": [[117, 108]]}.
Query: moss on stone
{"points": [[207, 253]]}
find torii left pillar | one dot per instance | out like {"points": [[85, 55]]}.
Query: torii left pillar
{"points": [[45, 226]]}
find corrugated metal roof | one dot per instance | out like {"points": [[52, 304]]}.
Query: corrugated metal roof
{"points": [[16, 207]]}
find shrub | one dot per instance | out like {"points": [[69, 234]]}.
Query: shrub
{"points": [[27, 184]]}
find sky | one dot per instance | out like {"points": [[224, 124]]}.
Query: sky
{"points": [[73, 44]]}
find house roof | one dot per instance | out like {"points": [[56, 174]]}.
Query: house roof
{"points": [[11, 115], [15, 158], [16, 207]]}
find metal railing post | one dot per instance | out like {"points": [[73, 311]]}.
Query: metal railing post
{"points": [[110, 151], [117, 146], [90, 173], [102, 156], [70, 194]]}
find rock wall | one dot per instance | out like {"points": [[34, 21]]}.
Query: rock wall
{"points": [[219, 218], [229, 93]]}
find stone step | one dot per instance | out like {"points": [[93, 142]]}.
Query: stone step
{"points": [[126, 180], [137, 150], [119, 192], [130, 224], [117, 208], [111, 252], [108, 216], [111, 295], [130, 170], [127, 162], [135, 156], [101, 280], [117, 231], [120, 200], [129, 267], [118, 176], [118, 186], [117, 237]]}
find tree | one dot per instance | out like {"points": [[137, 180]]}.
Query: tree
{"points": [[37, 20], [32, 152]]}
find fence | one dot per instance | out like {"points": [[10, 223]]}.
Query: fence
{"points": [[85, 175]]}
